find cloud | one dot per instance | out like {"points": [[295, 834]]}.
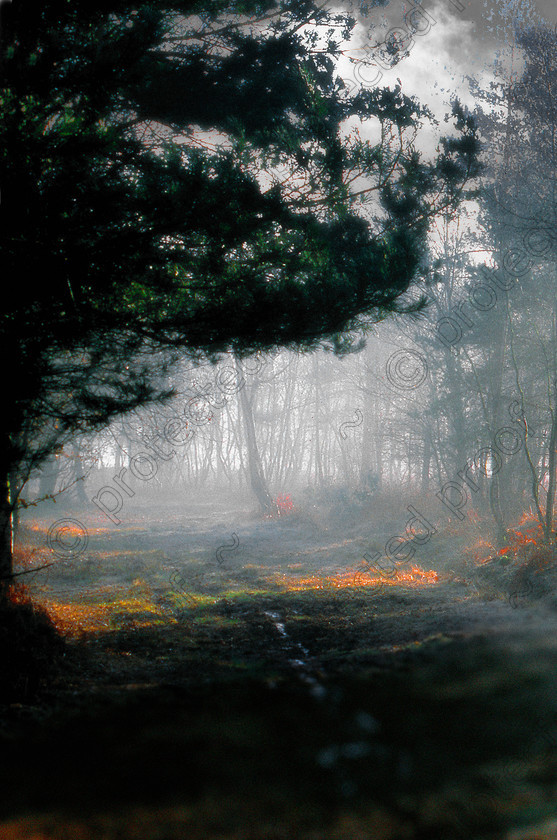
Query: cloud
{"points": [[445, 42]]}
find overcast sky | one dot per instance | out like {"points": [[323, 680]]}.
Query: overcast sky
{"points": [[455, 39]]}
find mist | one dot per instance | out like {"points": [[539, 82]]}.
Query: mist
{"points": [[279, 551]]}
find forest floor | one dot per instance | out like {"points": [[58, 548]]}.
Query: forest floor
{"points": [[261, 695]]}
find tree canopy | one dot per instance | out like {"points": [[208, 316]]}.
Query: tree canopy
{"points": [[184, 177]]}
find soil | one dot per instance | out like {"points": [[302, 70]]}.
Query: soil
{"points": [[230, 676]]}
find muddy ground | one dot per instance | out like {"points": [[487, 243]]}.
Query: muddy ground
{"points": [[230, 676]]}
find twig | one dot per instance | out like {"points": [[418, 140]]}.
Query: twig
{"points": [[28, 572]]}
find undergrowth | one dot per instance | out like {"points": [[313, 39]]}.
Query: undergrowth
{"points": [[30, 646]]}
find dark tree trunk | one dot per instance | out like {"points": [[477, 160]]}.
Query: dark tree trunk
{"points": [[6, 553], [79, 489], [49, 476], [255, 467]]}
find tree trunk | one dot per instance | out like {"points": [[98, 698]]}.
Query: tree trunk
{"points": [[255, 467], [369, 418], [6, 548], [548, 520], [78, 478], [49, 476], [317, 437], [426, 461]]}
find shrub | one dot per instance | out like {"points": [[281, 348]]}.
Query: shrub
{"points": [[30, 646]]}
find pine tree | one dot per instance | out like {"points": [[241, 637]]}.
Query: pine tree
{"points": [[184, 178]]}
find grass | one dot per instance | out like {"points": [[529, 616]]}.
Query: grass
{"points": [[170, 720]]}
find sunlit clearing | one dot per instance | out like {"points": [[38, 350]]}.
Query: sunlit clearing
{"points": [[137, 609], [359, 579]]}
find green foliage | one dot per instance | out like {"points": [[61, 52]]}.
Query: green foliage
{"points": [[183, 178]]}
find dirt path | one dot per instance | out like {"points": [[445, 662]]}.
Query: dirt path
{"points": [[280, 704]]}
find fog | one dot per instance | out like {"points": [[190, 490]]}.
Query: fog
{"points": [[426, 436], [313, 594], [307, 526]]}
